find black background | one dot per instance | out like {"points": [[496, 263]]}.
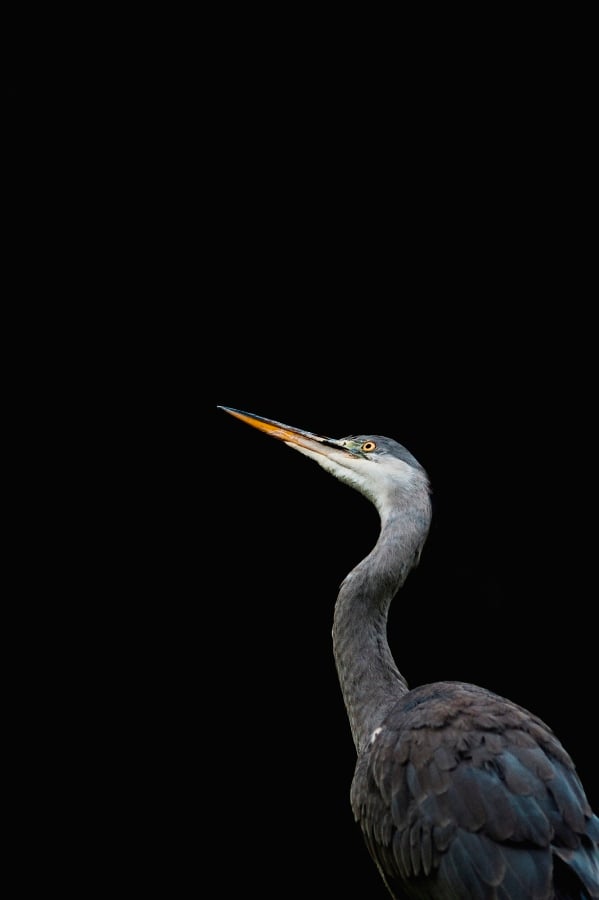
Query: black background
{"points": [[346, 244], [415, 268]]}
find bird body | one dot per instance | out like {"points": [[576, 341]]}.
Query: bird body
{"points": [[460, 793]]}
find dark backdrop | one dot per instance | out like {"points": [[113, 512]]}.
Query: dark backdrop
{"points": [[417, 267], [352, 247]]}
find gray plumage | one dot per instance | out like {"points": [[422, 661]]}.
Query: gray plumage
{"points": [[459, 793]]}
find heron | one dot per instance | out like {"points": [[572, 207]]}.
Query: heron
{"points": [[459, 793]]}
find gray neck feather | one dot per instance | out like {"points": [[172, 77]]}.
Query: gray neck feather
{"points": [[370, 680]]}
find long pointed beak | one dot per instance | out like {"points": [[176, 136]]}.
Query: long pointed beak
{"points": [[292, 436]]}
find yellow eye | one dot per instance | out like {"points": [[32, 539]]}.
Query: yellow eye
{"points": [[368, 446]]}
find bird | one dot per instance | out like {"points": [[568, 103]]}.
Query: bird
{"points": [[459, 793]]}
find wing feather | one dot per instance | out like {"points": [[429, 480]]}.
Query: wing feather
{"points": [[458, 803]]}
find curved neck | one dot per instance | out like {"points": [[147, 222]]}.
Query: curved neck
{"points": [[370, 680]]}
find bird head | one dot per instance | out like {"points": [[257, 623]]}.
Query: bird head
{"points": [[374, 465]]}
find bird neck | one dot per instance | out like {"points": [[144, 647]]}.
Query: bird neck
{"points": [[370, 681]]}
